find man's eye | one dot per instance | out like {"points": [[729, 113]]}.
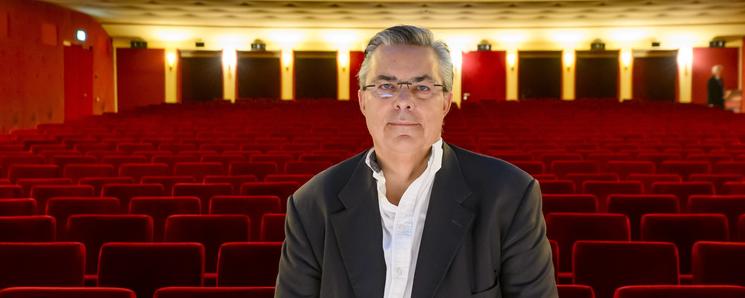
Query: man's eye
{"points": [[423, 88], [386, 86]]}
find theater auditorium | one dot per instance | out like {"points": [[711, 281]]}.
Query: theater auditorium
{"points": [[148, 147]]}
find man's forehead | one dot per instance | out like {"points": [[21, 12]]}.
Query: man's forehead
{"points": [[403, 62]]}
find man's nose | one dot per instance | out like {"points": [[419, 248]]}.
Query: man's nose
{"points": [[404, 100]]}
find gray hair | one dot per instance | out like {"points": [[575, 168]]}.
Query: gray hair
{"points": [[716, 68], [410, 35]]}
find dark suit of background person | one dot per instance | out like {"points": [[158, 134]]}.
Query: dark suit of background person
{"points": [[715, 89], [484, 234]]}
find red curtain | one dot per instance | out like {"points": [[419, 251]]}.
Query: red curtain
{"points": [[703, 60], [484, 76]]}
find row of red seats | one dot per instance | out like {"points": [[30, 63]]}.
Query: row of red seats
{"points": [[601, 267]]}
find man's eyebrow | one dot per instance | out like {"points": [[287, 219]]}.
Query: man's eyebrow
{"points": [[385, 78], [422, 78]]}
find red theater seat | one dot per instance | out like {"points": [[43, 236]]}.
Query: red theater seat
{"points": [[306, 167], [235, 181], [168, 181], [624, 168], [557, 187], [282, 190], [635, 206], [648, 179], [684, 168], [208, 292], [601, 189], [138, 170], [730, 205], [608, 265], [252, 206], [683, 291], [21, 171], [255, 168], [734, 188], [731, 167], [718, 263], [564, 167], [146, 267], [569, 203], [580, 178], [41, 264], [717, 180], [95, 230], [209, 230], [198, 169], [124, 192], [740, 228], [66, 292], [532, 167], [160, 208], [300, 179], [575, 291], [567, 228], [16, 207], [248, 264], [272, 227], [37, 228], [203, 191], [11, 191], [683, 190], [684, 230], [99, 182], [62, 208], [78, 171], [42, 193], [119, 159]]}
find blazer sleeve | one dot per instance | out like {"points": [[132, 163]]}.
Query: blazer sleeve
{"points": [[527, 267], [299, 272]]}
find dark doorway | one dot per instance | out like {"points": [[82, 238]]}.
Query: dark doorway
{"points": [[201, 76], [78, 82], [655, 76], [596, 75], [258, 75], [315, 75], [539, 75]]}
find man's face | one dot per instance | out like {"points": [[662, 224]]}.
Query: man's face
{"points": [[406, 122], [718, 72]]}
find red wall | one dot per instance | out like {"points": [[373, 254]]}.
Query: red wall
{"points": [[355, 62], [32, 59], [703, 60], [140, 77], [484, 75]]}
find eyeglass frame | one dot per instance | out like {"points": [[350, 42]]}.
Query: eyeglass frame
{"points": [[399, 83]]}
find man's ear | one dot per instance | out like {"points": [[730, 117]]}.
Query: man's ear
{"points": [[447, 102], [361, 101]]}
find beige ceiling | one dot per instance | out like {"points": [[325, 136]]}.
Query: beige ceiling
{"points": [[435, 14]]}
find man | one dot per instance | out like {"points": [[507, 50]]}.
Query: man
{"points": [[715, 88], [414, 216]]}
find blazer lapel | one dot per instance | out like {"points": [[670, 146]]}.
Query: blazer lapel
{"points": [[445, 226], [359, 233]]}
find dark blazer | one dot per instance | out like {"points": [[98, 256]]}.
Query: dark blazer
{"points": [[484, 235], [715, 92]]}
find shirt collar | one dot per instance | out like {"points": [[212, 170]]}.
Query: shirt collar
{"points": [[435, 158]]}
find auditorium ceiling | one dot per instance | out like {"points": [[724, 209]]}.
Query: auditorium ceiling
{"points": [[434, 13]]}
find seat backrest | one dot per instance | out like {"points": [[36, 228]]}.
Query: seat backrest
{"points": [[681, 291], [567, 228], [209, 230], [66, 292], [35, 228], [41, 264], [248, 264], [718, 263]]}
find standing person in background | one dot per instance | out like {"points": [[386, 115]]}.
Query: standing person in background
{"points": [[715, 88]]}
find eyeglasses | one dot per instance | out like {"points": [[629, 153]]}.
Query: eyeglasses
{"points": [[387, 89]]}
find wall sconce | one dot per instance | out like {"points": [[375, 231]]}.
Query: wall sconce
{"points": [[170, 60], [626, 58], [342, 58], [287, 58], [685, 58], [511, 59], [568, 58], [229, 58]]}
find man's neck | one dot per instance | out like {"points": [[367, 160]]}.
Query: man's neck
{"points": [[402, 167]]}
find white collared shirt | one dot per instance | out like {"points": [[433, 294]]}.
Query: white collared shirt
{"points": [[403, 224]]}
